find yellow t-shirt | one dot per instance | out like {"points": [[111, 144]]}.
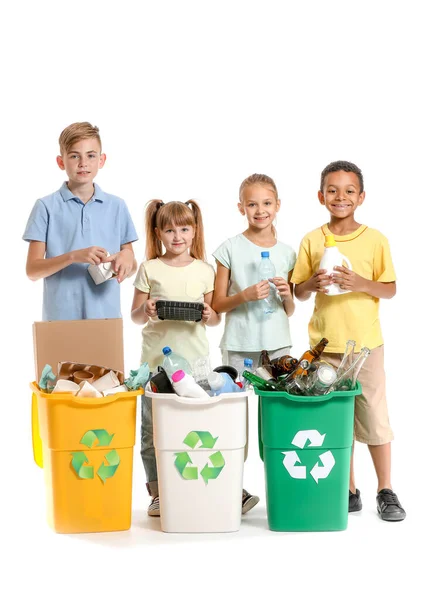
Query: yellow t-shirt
{"points": [[183, 284], [352, 316]]}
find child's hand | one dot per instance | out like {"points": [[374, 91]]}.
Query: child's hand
{"points": [[206, 314], [319, 281], [122, 263], [349, 280], [282, 286], [259, 291], [150, 308], [93, 255]]}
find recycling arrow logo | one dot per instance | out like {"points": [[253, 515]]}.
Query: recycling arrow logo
{"points": [[105, 471], [183, 461], [300, 471]]}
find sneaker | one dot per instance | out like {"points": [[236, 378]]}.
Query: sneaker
{"points": [[354, 501], [248, 501], [154, 507], [389, 507]]}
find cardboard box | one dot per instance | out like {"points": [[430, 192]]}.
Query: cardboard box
{"points": [[90, 341]]}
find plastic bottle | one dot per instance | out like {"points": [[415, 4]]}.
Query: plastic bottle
{"points": [[267, 270], [248, 366], [333, 258], [222, 383], [174, 362], [185, 385]]}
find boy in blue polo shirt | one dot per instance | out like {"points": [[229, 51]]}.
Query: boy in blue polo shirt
{"points": [[74, 228]]}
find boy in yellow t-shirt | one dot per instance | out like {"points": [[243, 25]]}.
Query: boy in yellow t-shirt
{"points": [[353, 316]]}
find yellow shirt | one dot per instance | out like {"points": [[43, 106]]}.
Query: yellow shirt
{"points": [[352, 316], [184, 284]]}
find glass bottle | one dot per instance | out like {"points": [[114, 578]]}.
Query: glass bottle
{"points": [[259, 382], [311, 355], [248, 364], [320, 381], [283, 365], [347, 381], [347, 359]]}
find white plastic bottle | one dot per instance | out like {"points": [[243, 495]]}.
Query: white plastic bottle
{"points": [[174, 362], [185, 385], [222, 383], [333, 258], [267, 270]]}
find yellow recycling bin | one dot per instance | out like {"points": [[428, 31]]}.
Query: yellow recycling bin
{"points": [[87, 450]]}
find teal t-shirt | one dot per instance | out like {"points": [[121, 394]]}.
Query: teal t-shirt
{"points": [[246, 329]]}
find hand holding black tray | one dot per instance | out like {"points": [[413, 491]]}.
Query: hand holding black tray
{"points": [[171, 310]]}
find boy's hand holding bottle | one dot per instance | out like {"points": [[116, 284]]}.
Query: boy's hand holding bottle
{"points": [[318, 282], [349, 280]]}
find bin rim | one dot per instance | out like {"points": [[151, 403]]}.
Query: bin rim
{"points": [[86, 402], [310, 399], [197, 401]]}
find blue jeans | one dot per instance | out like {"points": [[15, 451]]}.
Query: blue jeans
{"points": [[147, 447]]}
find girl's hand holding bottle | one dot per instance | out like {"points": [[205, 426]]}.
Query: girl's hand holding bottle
{"points": [[259, 291], [282, 286]]}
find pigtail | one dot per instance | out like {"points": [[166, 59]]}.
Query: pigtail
{"points": [[153, 244], [198, 246]]}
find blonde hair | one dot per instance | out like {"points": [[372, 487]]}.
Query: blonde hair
{"points": [[76, 132], [180, 214], [259, 179]]}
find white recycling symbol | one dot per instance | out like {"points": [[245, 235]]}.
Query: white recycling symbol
{"points": [[300, 471]]}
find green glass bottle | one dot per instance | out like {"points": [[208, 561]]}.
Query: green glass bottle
{"points": [[262, 384]]}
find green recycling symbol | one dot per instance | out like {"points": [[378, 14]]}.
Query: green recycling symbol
{"points": [[183, 461], [79, 459]]}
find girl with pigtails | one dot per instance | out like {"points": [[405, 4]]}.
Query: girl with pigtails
{"points": [[174, 269]]}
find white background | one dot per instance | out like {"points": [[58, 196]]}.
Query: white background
{"points": [[191, 97]]}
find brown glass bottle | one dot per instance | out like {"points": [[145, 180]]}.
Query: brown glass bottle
{"points": [[283, 365], [311, 355]]}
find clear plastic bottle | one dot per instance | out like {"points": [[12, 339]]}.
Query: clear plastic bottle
{"points": [[248, 366], [175, 362], [267, 270]]}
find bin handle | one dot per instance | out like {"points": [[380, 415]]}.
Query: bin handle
{"points": [[184, 399], [66, 396]]}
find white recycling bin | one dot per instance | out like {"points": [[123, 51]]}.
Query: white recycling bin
{"points": [[200, 445]]}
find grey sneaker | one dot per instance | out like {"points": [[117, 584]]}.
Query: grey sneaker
{"points": [[154, 507], [248, 501], [354, 501], [389, 507]]}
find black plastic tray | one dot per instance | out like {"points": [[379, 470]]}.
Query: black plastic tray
{"points": [[170, 310]]}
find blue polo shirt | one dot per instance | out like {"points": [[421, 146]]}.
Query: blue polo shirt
{"points": [[65, 223]]}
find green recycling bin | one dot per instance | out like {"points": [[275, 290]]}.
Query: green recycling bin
{"points": [[305, 443]]}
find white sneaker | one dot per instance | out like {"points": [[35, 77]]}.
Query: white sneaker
{"points": [[154, 507]]}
